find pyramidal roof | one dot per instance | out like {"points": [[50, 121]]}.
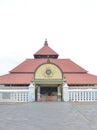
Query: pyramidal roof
{"points": [[46, 52], [24, 72]]}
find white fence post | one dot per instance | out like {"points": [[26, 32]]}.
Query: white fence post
{"points": [[65, 93], [31, 95]]}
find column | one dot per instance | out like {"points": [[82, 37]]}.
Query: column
{"points": [[38, 93], [65, 93], [31, 94], [59, 93]]}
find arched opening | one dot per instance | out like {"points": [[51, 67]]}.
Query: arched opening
{"points": [[48, 80]]}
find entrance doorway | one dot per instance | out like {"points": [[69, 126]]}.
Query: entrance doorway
{"points": [[48, 93]]}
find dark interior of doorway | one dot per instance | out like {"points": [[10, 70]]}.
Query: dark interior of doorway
{"points": [[48, 91]]}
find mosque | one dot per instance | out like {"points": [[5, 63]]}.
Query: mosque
{"points": [[48, 74]]}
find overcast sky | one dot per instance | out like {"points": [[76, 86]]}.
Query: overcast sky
{"points": [[70, 27]]}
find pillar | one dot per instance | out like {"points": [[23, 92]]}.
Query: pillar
{"points": [[38, 93], [65, 93], [31, 94], [59, 93]]}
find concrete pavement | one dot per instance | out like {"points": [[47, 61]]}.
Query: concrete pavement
{"points": [[48, 116]]}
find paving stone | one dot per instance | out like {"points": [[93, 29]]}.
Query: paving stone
{"points": [[48, 116]]}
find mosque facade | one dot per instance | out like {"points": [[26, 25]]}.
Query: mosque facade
{"points": [[47, 77]]}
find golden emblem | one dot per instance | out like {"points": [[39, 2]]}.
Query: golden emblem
{"points": [[48, 72]]}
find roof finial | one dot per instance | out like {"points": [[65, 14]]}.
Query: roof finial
{"points": [[46, 43]]}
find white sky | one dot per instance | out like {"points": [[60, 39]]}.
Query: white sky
{"points": [[69, 25]]}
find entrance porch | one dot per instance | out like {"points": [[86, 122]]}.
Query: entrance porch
{"points": [[51, 93]]}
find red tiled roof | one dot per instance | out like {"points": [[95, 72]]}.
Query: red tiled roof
{"points": [[24, 72], [46, 50], [68, 66], [16, 79], [80, 79], [30, 65], [72, 79]]}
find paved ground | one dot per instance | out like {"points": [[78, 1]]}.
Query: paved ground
{"points": [[48, 116]]}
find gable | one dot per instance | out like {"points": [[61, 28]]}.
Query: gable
{"points": [[48, 71]]}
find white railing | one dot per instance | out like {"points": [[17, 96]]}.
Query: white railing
{"points": [[28, 95], [14, 95], [83, 95]]}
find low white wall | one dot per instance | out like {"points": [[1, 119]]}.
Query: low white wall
{"points": [[18, 95], [14, 95], [82, 95], [28, 95]]}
